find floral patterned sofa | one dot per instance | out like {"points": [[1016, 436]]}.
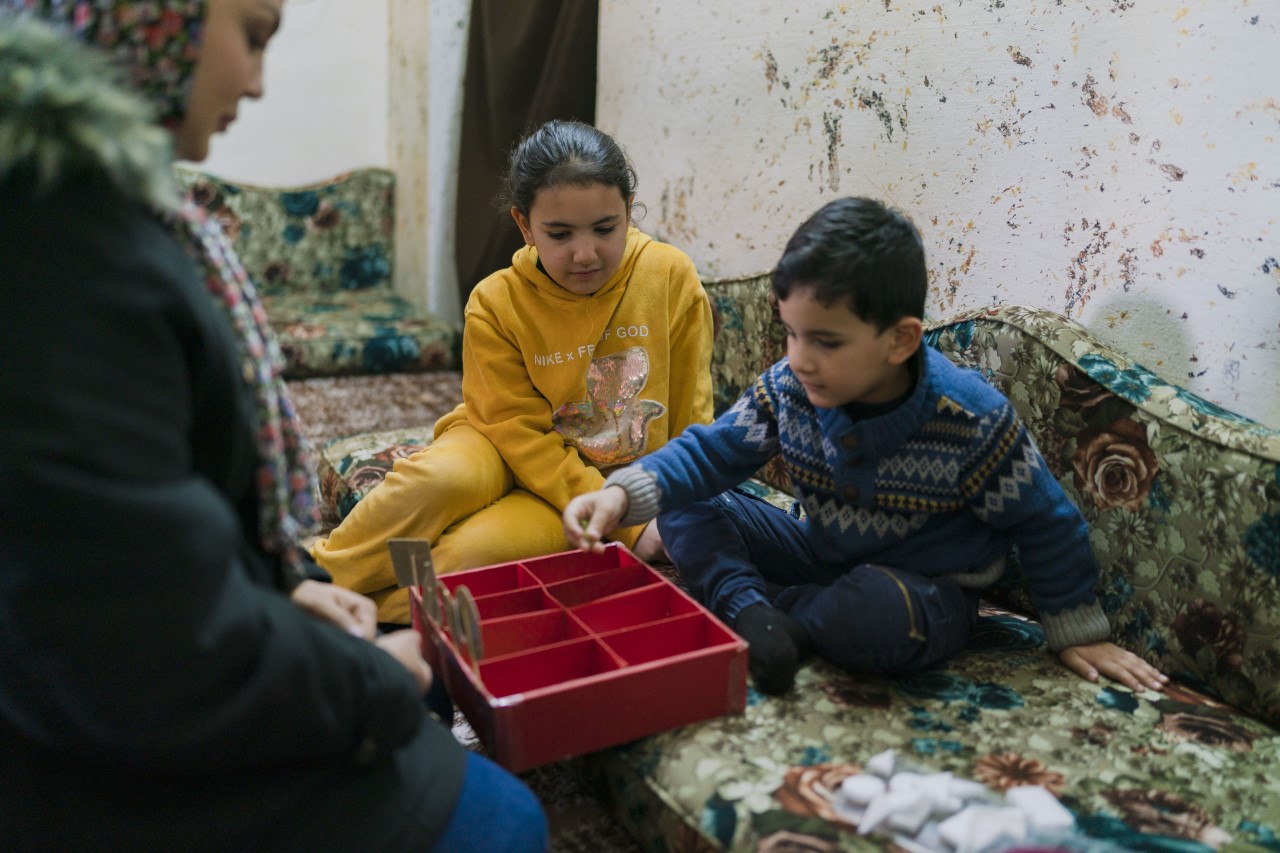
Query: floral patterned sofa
{"points": [[1183, 499], [321, 256]]}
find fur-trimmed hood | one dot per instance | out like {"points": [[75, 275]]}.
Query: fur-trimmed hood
{"points": [[65, 112]]}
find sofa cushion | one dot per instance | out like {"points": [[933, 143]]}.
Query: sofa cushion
{"points": [[350, 467], [1176, 771], [321, 256], [1182, 498], [358, 331]]}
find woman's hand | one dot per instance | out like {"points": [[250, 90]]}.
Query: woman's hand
{"points": [[350, 611], [1094, 659], [406, 647], [589, 518]]}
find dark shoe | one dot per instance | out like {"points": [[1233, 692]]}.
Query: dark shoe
{"points": [[777, 645]]}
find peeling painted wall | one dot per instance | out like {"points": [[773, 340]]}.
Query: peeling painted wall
{"points": [[1114, 161]]}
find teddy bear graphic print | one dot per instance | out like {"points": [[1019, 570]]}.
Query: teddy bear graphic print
{"points": [[611, 426]]}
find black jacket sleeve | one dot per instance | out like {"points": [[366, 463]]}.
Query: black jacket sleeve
{"points": [[132, 629]]}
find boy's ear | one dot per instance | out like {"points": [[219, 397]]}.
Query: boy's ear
{"points": [[522, 222], [907, 334]]}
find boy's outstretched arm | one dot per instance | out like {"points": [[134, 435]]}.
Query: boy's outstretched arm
{"points": [[590, 517], [1106, 658]]}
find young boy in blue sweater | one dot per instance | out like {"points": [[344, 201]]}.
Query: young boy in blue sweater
{"points": [[915, 477]]}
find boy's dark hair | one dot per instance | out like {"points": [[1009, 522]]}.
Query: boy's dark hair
{"points": [[565, 152], [858, 250]]}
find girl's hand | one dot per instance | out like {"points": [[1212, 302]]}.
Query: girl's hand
{"points": [[589, 518], [649, 546], [1091, 660], [350, 611]]}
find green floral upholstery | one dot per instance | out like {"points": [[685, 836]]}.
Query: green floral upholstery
{"points": [[349, 467], [321, 256], [1183, 499]]}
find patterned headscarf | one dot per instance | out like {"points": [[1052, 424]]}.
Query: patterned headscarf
{"points": [[157, 42]]}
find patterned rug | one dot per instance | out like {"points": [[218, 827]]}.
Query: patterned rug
{"points": [[346, 405], [336, 407]]}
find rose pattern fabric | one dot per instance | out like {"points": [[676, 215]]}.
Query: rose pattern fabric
{"points": [[809, 790], [1115, 466]]}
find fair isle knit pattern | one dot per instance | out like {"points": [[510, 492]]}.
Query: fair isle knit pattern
{"points": [[941, 485], [945, 466]]}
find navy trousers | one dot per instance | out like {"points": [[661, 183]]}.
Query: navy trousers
{"points": [[735, 550]]}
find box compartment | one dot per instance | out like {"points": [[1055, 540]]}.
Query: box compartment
{"points": [[529, 600], [600, 585], [573, 564], [670, 639], [515, 634], [505, 577], [635, 607]]}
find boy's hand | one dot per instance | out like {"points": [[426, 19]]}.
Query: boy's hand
{"points": [[1090, 661], [589, 518]]}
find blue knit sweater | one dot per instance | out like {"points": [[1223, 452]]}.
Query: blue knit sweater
{"points": [[941, 485]]}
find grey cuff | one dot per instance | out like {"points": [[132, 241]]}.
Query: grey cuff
{"points": [[643, 495], [1085, 623]]}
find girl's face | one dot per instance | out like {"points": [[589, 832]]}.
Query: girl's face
{"points": [[580, 233], [236, 33]]}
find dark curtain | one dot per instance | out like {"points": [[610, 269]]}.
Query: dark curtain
{"points": [[528, 61]]}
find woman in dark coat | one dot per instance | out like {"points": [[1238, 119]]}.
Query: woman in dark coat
{"points": [[173, 675]]}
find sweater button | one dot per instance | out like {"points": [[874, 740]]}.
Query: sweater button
{"points": [[849, 442], [851, 494]]}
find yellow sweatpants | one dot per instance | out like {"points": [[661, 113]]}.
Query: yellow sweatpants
{"points": [[458, 494]]}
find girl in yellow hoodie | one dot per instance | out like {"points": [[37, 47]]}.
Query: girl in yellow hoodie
{"points": [[590, 351]]}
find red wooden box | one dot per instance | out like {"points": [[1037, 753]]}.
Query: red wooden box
{"points": [[581, 651]]}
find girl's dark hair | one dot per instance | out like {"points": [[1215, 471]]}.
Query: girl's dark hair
{"points": [[857, 250], [565, 152]]}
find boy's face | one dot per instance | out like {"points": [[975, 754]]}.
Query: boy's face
{"points": [[840, 358]]}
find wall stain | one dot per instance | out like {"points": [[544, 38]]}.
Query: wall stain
{"points": [[1084, 273], [1128, 270], [1174, 173], [875, 102], [673, 212], [829, 59], [771, 71], [1018, 56], [1092, 99], [831, 129]]}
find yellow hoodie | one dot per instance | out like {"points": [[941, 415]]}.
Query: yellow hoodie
{"points": [[567, 386]]}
